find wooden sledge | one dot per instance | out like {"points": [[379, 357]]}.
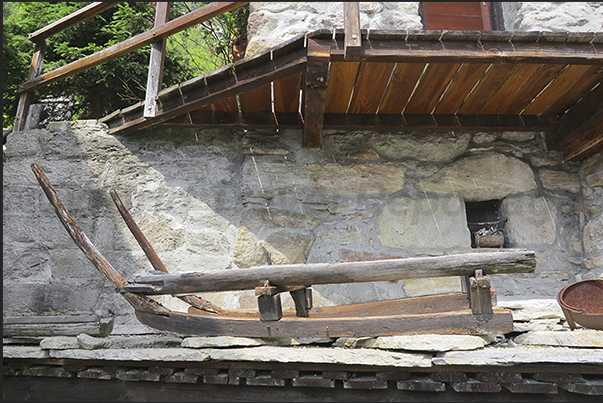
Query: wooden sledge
{"points": [[467, 312]]}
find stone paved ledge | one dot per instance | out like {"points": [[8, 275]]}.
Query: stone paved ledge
{"points": [[559, 360]]}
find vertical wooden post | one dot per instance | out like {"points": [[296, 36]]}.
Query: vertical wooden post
{"points": [[351, 24], [315, 92], [26, 98], [303, 301], [480, 297], [156, 62]]}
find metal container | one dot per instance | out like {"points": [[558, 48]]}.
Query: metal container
{"points": [[582, 303]]}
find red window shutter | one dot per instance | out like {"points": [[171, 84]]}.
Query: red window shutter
{"points": [[466, 16]]}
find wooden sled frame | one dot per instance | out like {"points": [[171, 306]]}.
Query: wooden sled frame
{"points": [[467, 312]]}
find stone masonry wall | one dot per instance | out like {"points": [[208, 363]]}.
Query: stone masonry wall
{"points": [[271, 23], [553, 16], [216, 199]]}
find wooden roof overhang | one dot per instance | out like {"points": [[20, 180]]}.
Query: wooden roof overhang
{"points": [[401, 81]]}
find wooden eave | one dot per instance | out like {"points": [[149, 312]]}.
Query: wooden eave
{"points": [[400, 81]]}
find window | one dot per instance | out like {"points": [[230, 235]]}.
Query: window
{"points": [[465, 16]]}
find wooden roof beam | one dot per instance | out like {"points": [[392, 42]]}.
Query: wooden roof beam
{"points": [[394, 47], [315, 92], [579, 132], [220, 84], [351, 23]]}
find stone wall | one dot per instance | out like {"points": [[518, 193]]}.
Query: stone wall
{"points": [[271, 23], [217, 199], [553, 16]]}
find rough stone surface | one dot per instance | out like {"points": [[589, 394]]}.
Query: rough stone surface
{"points": [[425, 147], [59, 343], [576, 338], [221, 341], [424, 222], [24, 352], [286, 247], [506, 356], [527, 309], [427, 342], [553, 16], [271, 23], [559, 180], [432, 285], [482, 177], [231, 206], [137, 354], [323, 356], [531, 220]]}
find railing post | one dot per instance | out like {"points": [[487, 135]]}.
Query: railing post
{"points": [[26, 98], [156, 62]]}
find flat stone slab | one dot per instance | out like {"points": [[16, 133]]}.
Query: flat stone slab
{"points": [[576, 338], [531, 308], [133, 354], [320, 355], [24, 352], [424, 342], [316, 355], [59, 343], [221, 341], [507, 356]]}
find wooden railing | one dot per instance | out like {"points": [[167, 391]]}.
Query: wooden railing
{"points": [[163, 28]]}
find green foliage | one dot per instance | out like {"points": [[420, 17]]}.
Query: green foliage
{"points": [[118, 83]]}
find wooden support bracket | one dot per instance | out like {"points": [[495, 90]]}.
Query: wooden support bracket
{"points": [[303, 301], [269, 303], [480, 298], [315, 93]]}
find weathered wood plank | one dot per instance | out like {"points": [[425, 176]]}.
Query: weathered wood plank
{"points": [[235, 120], [82, 14], [342, 121], [484, 90], [222, 88], [531, 88], [342, 78], [507, 90], [452, 51], [579, 133], [26, 98], [457, 322], [99, 327], [432, 85], [401, 86], [156, 61], [256, 100], [370, 85], [566, 89], [287, 93], [146, 38], [468, 75], [502, 261]]}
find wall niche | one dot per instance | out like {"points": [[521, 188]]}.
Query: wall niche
{"points": [[486, 224]]}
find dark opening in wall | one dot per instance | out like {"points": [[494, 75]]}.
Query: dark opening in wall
{"points": [[485, 224]]}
